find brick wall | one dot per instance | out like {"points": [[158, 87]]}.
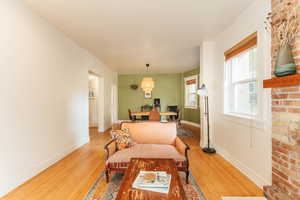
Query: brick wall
{"points": [[285, 130]]}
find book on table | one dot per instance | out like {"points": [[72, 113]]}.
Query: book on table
{"points": [[156, 181]]}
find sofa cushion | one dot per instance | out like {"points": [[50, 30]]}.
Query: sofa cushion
{"points": [[121, 159], [152, 132]]}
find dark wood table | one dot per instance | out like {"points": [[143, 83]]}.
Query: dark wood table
{"points": [[126, 191]]}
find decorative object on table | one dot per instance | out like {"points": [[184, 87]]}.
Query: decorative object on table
{"points": [[155, 181], [147, 83], [154, 115], [134, 86], [96, 192], [203, 92], [284, 28]]}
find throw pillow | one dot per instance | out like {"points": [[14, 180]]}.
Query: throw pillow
{"points": [[123, 138]]}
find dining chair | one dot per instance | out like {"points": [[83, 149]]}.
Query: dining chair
{"points": [[146, 108], [154, 115], [173, 109], [132, 118]]}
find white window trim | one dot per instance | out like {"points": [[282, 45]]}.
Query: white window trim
{"points": [[185, 94]]}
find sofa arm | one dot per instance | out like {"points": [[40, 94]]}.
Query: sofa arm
{"points": [[181, 146], [110, 148]]}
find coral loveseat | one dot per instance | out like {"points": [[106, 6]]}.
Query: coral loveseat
{"points": [[153, 140]]}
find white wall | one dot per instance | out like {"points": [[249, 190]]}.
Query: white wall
{"points": [[44, 94], [245, 143]]}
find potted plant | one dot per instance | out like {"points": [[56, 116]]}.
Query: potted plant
{"points": [[284, 25]]}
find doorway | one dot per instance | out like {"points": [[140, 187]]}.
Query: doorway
{"points": [[93, 100]]}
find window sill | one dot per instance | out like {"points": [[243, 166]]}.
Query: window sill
{"points": [[244, 120], [194, 108]]}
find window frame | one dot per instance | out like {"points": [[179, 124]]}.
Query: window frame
{"points": [[186, 94], [245, 45]]}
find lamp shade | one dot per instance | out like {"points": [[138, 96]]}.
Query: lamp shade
{"points": [[202, 91], [147, 84]]}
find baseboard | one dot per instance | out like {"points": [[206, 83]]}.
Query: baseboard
{"points": [[252, 175], [34, 171], [190, 123]]}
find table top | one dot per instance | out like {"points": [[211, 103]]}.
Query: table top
{"points": [[126, 192], [148, 113]]}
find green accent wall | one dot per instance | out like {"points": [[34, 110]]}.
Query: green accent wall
{"points": [[167, 88], [188, 114]]}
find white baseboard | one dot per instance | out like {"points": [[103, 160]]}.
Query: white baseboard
{"points": [[252, 175], [35, 170], [190, 123]]}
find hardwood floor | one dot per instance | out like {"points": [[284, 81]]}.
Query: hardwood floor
{"points": [[71, 178]]}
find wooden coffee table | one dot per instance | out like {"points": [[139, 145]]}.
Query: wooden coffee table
{"points": [[126, 191]]}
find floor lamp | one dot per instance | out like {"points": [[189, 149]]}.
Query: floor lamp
{"points": [[203, 92]]}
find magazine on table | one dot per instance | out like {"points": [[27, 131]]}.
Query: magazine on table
{"points": [[157, 181]]}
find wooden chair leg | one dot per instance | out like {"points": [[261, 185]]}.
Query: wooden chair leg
{"points": [[107, 175], [187, 173]]}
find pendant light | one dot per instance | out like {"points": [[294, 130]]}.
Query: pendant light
{"points": [[147, 83]]}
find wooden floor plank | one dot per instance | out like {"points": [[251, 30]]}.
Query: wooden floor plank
{"points": [[73, 176]]}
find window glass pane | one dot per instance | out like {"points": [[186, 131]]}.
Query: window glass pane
{"points": [[191, 94], [243, 66], [192, 100], [245, 98]]}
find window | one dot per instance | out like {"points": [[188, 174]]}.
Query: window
{"points": [[240, 82], [191, 97]]}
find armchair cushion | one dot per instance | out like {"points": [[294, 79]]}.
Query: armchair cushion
{"points": [[121, 159]]}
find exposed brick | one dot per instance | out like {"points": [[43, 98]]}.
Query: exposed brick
{"points": [[279, 173], [291, 103], [275, 142], [275, 103], [294, 96], [280, 96], [294, 110], [285, 108], [296, 53], [279, 109]]}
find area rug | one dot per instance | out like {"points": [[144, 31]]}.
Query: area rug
{"points": [[102, 191], [183, 132]]}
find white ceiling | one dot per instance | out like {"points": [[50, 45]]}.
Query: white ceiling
{"points": [[126, 34]]}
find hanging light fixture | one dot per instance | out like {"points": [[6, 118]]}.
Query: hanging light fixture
{"points": [[147, 82]]}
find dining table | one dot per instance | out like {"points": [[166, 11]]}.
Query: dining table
{"points": [[148, 113]]}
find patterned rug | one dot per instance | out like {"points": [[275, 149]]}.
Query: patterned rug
{"points": [[183, 132], [102, 191]]}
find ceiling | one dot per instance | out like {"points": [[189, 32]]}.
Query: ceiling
{"points": [[127, 34]]}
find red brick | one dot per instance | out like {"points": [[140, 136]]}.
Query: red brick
{"points": [[291, 103], [275, 103], [294, 96], [279, 109], [281, 150], [280, 96], [294, 110], [275, 142], [296, 53], [292, 161], [279, 173]]}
